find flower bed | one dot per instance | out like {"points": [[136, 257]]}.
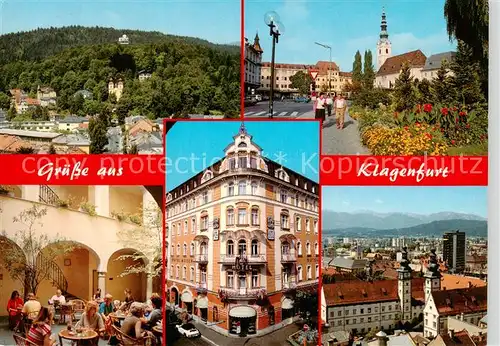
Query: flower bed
{"points": [[425, 130]]}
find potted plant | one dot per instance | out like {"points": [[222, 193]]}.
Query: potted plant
{"points": [[88, 208], [119, 215]]}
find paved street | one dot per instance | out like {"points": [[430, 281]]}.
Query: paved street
{"points": [[286, 109], [346, 141], [190, 342]]}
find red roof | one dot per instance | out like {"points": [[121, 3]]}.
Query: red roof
{"points": [[32, 102], [321, 66], [459, 338], [394, 64], [466, 300]]}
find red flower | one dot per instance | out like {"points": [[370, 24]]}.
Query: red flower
{"points": [[406, 128], [417, 124], [467, 126], [396, 114], [428, 135], [452, 142], [454, 109], [442, 130], [427, 107], [444, 111], [463, 113], [419, 108]]}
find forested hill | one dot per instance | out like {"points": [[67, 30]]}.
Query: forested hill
{"points": [[42, 43]]}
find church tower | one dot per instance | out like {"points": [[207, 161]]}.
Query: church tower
{"points": [[384, 49], [433, 276], [404, 287]]}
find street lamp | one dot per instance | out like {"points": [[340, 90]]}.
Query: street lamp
{"points": [[330, 67], [276, 28]]}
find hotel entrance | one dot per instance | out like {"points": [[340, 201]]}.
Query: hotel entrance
{"points": [[242, 320]]}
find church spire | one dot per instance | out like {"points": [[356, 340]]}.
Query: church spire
{"points": [[243, 130], [383, 26]]}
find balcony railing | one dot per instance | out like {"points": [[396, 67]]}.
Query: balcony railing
{"points": [[201, 258], [239, 293], [201, 287], [290, 285], [250, 259], [288, 257]]}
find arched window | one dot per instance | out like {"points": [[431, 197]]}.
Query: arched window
{"points": [[255, 216], [316, 248], [230, 216], [285, 248], [191, 274], [298, 224], [242, 247], [177, 270], [255, 247], [299, 248], [184, 249], [308, 248], [242, 216], [230, 247], [203, 248], [184, 273], [191, 249], [204, 197], [230, 189], [299, 273], [242, 187], [309, 273], [254, 188], [172, 250], [242, 145], [178, 249], [308, 225]]}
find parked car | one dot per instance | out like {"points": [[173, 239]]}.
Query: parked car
{"points": [[188, 330], [302, 99], [258, 98]]}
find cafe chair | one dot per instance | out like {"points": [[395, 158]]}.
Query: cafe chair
{"points": [[20, 341], [78, 308], [122, 338]]}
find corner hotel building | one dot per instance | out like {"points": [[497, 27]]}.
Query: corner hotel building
{"points": [[242, 239]]}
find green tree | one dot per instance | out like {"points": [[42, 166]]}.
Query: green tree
{"points": [[368, 71], [302, 82], [52, 149], [11, 113], [405, 95], [424, 91], [466, 76], [4, 101], [357, 68], [25, 150], [441, 86], [98, 135]]}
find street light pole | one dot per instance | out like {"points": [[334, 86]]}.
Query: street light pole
{"points": [[275, 30], [330, 65]]}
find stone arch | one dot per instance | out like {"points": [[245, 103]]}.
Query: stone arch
{"points": [[11, 252], [174, 291], [73, 268], [116, 282]]}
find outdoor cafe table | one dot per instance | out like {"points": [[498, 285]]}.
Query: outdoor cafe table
{"points": [[118, 316], [77, 337]]}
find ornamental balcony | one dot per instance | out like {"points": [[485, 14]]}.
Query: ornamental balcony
{"points": [[201, 258], [290, 257], [201, 287], [243, 259], [289, 285], [242, 293]]}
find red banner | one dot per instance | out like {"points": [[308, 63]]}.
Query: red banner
{"points": [[83, 169], [404, 170]]}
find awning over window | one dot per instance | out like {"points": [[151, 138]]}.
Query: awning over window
{"points": [[287, 303], [202, 303], [242, 312], [187, 297]]}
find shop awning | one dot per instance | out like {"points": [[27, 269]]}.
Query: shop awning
{"points": [[202, 303], [242, 312], [187, 297], [287, 303]]}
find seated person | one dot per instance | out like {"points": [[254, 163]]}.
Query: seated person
{"points": [[156, 315], [150, 307], [14, 308], [57, 299], [40, 331], [128, 300], [32, 307], [132, 325], [107, 307], [91, 319]]}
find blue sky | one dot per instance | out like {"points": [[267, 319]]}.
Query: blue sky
{"points": [[347, 26], [290, 143], [216, 21], [415, 199]]}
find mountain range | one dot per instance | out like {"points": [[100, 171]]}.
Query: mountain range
{"points": [[368, 223]]}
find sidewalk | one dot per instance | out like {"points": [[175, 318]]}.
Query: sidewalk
{"points": [[307, 115], [346, 141]]}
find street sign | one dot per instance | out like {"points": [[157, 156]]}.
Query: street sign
{"points": [[313, 74]]}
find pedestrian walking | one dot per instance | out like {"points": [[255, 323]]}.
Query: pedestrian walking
{"points": [[313, 99], [329, 105], [340, 107], [320, 107]]}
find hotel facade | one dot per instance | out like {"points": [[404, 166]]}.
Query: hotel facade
{"points": [[242, 239]]}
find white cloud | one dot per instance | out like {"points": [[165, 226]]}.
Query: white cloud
{"points": [[346, 203], [379, 201], [432, 44]]}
